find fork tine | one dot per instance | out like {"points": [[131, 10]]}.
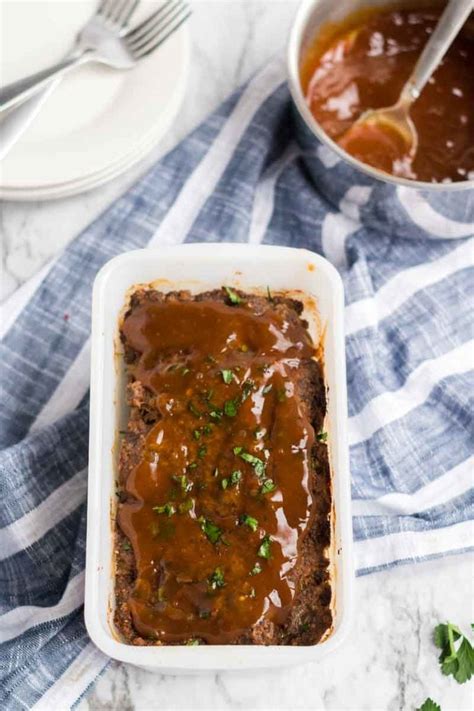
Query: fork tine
{"points": [[153, 28], [161, 13], [162, 35], [128, 9], [106, 8]]}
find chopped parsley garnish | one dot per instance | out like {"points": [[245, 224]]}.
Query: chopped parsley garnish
{"points": [[257, 568], [216, 580], [227, 376], [216, 414], [252, 592], [186, 506], [267, 389], [207, 429], [322, 437], [457, 661], [234, 298], [204, 614], [193, 465], [233, 480], [247, 389], [212, 531], [230, 408], [202, 451], [192, 408], [211, 359], [258, 464], [429, 705], [126, 546], [264, 550], [267, 486], [197, 434], [304, 627], [167, 509], [193, 643], [183, 482], [249, 521]]}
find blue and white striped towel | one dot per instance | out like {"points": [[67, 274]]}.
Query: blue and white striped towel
{"points": [[246, 175]]}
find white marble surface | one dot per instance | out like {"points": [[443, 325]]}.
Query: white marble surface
{"points": [[389, 661]]}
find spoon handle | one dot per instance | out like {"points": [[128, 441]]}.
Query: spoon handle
{"points": [[450, 23]]}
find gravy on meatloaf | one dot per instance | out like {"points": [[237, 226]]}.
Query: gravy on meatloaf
{"points": [[218, 484]]}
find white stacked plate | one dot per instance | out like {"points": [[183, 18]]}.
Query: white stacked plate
{"points": [[98, 121]]}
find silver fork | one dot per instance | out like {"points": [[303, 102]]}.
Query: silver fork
{"points": [[105, 39]]}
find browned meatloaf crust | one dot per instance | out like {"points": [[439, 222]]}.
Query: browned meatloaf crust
{"points": [[310, 616]]}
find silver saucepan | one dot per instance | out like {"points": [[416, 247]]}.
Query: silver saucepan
{"points": [[312, 15]]}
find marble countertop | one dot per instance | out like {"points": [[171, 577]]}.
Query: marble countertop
{"points": [[389, 660]]}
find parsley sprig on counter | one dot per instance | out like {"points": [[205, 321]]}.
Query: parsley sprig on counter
{"points": [[457, 653], [429, 705]]}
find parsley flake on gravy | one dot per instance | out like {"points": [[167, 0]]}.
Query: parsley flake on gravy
{"points": [[249, 521], [264, 550], [234, 298], [213, 532]]}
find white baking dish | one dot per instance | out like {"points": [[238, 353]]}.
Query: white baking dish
{"points": [[200, 267]]}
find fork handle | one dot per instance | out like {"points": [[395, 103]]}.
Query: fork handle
{"points": [[19, 91]]}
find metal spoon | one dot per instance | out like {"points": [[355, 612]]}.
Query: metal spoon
{"points": [[396, 118]]}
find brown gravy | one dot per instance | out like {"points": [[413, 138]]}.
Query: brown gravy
{"points": [[364, 63], [218, 503]]}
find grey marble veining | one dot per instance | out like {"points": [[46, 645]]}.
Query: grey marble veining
{"points": [[388, 661]]}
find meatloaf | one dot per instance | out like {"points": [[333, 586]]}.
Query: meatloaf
{"points": [[224, 492]]}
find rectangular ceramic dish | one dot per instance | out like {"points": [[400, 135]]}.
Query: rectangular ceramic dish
{"points": [[200, 267]]}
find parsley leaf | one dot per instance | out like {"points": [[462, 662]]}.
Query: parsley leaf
{"points": [[202, 451], [247, 389], [186, 506], [322, 437], [265, 548], [212, 531], [230, 408], [258, 464], [249, 521], [192, 643], [216, 580], [267, 389], [429, 705], [216, 414], [227, 376], [183, 482], [234, 298], [167, 509], [257, 568], [192, 408], [456, 661], [234, 479], [267, 486]]}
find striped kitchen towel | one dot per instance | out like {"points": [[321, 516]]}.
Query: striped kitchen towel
{"points": [[247, 174]]}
